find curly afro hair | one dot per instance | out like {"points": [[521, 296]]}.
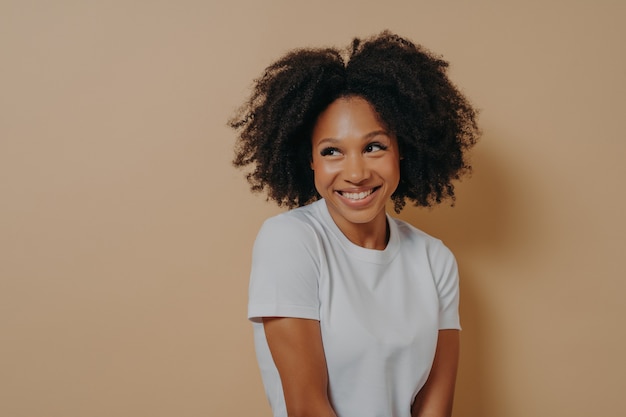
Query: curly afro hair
{"points": [[406, 85]]}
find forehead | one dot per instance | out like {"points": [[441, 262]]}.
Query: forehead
{"points": [[346, 117]]}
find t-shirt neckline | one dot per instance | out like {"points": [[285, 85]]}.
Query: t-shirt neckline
{"points": [[365, 254]]}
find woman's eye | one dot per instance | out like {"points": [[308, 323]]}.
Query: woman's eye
{"points": [[329, 152], [374, 147]]}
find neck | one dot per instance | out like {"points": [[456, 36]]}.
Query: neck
{"points": [[372, 235]]}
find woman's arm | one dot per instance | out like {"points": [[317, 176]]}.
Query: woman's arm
{"points": [[296, 347], [435, 397]]}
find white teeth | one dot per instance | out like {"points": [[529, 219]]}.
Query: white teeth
{"points": [[357, 196]]}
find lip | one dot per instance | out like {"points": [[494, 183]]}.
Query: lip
{"points": [[358, 203]]}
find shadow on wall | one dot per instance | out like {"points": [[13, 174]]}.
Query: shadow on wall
{"points": [[479, 230], [480, 223], [472, 399]]}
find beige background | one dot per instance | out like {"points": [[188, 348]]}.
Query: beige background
{"points": [[125, 234]]}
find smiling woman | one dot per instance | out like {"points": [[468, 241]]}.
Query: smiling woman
{"points": [[356, 166], [355, 313]]}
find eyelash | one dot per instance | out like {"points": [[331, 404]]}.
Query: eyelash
{"points": [[376, 144], [330, 150]]}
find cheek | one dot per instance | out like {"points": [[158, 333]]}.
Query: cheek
{"points": [[322, 178], [324, 170], [325, 177], [391, 171], [389, 167]]}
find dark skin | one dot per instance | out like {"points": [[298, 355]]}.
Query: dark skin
{"points": [[297, 350], [423, 128], [352, 155]]}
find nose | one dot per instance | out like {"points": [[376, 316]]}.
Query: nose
{"points": [[356, 169]]}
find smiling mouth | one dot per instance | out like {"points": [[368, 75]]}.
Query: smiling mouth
{"points": [[358, 196]]}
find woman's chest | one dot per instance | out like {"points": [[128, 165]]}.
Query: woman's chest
{"points": [[377, 312]]}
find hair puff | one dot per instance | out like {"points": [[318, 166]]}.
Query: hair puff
{"points": [[408, 88]]}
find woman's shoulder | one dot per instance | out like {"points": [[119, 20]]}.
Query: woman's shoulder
{"points": [[411, 232], [411, 235], [301, 218], [299, 225]]}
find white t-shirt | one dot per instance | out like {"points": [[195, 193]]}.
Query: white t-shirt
{"points": [[379, 311]]}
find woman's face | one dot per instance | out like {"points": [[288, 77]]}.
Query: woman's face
{"points": [[356, 163]]}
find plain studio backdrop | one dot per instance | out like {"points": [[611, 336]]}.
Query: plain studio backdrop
{"points": [[125, 234]]}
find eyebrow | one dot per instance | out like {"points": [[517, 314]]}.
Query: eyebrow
{"points": [[367, 136]]}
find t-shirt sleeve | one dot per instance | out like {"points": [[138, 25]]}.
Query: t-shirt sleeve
{"points": [[285, 270], [447, 282]]}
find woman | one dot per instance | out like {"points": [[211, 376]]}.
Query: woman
{"points": [[355, 313]]}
